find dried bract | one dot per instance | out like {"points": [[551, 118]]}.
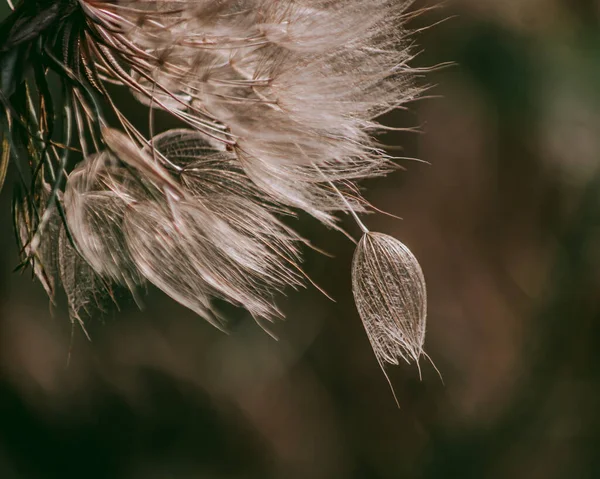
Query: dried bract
{"points": [[214, 239], [390, 295]]}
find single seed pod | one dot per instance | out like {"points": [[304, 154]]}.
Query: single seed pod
{"points": [[390, 295]]}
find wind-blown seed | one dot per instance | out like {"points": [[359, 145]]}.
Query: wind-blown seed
{"points": [[391, 298]]}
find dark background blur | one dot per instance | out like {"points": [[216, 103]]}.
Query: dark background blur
{"points": [[505, 220]]}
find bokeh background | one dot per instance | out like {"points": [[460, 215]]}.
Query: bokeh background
{"points": [[503, 211]]}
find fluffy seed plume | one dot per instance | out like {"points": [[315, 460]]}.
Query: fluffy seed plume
{"points": [[275, 105]]}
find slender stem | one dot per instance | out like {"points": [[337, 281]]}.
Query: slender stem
{"points": [[360, 224]]}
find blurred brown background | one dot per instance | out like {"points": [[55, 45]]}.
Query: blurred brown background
{"points": [[505, 220]]}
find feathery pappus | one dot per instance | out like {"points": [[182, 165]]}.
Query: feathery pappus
{"points": [[276, 103]]}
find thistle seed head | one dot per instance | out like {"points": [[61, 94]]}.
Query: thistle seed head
{"points": [[277, 104]]}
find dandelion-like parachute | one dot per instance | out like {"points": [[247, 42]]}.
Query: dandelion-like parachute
{"points": [[276, 103]]}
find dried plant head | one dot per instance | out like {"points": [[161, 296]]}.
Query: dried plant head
{"points": [[276, 106]]}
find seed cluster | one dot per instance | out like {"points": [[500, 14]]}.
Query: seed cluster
{"points": [[276, 103]]}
